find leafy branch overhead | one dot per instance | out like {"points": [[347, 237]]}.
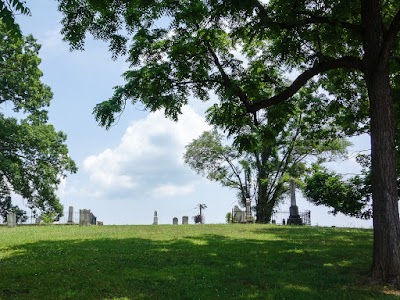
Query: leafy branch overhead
{"points": [[8, 10]]}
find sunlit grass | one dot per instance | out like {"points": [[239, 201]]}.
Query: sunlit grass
{"points": [[186, 262]]}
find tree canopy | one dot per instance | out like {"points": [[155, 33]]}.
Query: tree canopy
{"points": [[33, 155], [241, 49], [266, 150]]}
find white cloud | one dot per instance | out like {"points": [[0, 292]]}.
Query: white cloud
{"points": [[148, 158], [171, 190], [52, 42], [62, 187]]}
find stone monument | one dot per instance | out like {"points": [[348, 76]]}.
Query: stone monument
{"points": [[11, 219], [294, 217], [84, 217], [70, 215], [238, 215], [185, 220], [155, 220], [248, 210], [175, 221]]}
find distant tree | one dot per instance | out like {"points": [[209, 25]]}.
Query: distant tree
{"points": [[264, 154], [349, 48], [228, 217], [33, 156], [224, 164]]}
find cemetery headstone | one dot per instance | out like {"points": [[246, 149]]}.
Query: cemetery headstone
{"points": [[84, 217], [93, 219], [11, 219], [175, 221], [238, 215], [185, 220], [70, 215], [248, 210], [155, 220]]}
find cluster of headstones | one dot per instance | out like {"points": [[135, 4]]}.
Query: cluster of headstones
{"points": [[185, 220], [242, 216], [86, 218]]}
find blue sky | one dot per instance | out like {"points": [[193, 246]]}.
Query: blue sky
{"points": [[136, 167]]}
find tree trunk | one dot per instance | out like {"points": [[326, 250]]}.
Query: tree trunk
{"points": [[264, 204], [264, 209], [386, 255], [386, 248]]}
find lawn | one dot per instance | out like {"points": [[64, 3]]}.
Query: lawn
{"points": [[186, 262]]}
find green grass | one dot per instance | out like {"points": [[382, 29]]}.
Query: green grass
{"points": [[186, 262]]}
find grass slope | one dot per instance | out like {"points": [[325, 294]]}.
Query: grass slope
{"points": [[186, 262]]}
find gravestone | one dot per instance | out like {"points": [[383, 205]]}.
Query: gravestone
{"points": [[175, 221], [294, 217], [70, 215], [93, 219], [11, 219], [248, 210], [155, 220], [37, 221], [185, 220], [238, 215], [84, 217]]}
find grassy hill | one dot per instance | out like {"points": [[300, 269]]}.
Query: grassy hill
{"points": [[186, 262]]}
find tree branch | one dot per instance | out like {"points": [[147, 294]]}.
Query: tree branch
{"points": [[390, 36], [312, 19], [227, 81], [346, 62]]}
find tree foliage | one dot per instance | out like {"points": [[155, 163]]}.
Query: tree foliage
{"points": [[236, 48], [222, 163], [8, 9], [263, 155], [348, 196], [33, 155]]}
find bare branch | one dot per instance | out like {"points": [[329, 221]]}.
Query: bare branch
{"points": [[227, 81]]}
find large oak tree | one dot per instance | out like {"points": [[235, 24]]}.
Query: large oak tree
{"points": [[349, 48]]}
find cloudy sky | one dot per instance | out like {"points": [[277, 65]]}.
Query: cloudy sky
{"points": [[136, 166]]}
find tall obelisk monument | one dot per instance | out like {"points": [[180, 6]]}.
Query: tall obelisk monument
{"points": [[294, 217]]}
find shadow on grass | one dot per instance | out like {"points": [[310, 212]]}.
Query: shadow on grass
{"points": [[199, 267]]}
